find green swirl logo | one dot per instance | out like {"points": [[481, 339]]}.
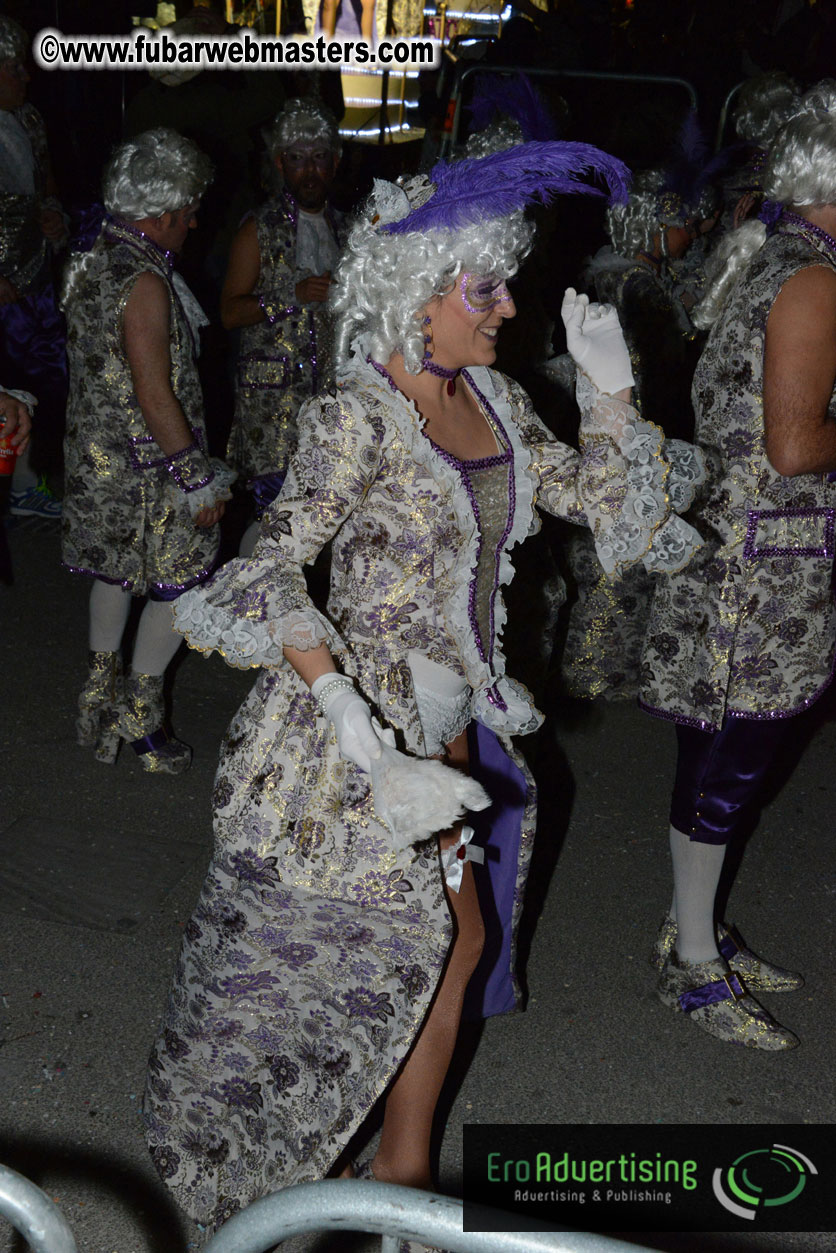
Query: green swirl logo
{"points": [[762, 1178]]}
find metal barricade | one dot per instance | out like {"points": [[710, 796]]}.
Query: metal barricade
{"points": [[395, 1213], [31, 1212], [534, 72]]}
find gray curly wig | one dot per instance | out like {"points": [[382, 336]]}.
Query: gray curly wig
{"points": [[158, 172], [303, 121], [764, 103], [631, 226], [800, 172], [14, 42], [384, 281]]}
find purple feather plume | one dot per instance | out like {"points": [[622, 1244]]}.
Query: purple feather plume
{"points": [[516, 98], [478, 189]]}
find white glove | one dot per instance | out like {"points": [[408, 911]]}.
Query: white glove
{"points": [[352, 718], [596, 342]]}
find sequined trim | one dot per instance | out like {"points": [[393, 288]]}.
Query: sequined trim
{"points": [[751, 550]]}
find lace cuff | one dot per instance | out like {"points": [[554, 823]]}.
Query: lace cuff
{"points": [[206, 492], [641, 528], [673, 546], [243, 613], [442, 717], [688, 472]]}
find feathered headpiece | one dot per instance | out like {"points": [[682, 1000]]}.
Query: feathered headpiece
{"points": [[689, 172], [498, 96], [463, 193]]}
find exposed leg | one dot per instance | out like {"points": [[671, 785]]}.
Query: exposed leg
{"points": [[367, 20], [328, 17], [404, 1152]]}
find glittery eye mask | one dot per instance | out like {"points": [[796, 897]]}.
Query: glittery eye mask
{"points": [[480, 294]]}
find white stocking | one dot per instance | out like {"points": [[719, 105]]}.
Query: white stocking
{"points": [[156, 640], [110, 605], [696, 874]]}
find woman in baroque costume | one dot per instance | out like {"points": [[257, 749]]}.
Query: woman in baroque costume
{"points": [[326, 962]]}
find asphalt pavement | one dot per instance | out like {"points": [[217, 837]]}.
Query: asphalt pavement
{"points": [[101, 867]]}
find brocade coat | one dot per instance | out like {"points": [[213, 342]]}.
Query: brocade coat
{"points": [[313, 954], [281, 363], [747, 629], [125, 518]]}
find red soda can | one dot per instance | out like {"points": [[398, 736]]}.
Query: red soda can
{"points": [[7, 452]]}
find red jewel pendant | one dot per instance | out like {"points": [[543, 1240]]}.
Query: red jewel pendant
{"points": [[451, 387]]}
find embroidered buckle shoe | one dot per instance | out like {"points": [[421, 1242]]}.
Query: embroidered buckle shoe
{"points": [[757, 974], [36, 502], [715, 998], [142, 725]]}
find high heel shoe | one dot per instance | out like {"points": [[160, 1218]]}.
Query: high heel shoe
{"points": [[759, 975], [100, 707], [142, 725]]}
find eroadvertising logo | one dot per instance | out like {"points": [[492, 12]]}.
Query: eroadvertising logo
{"points": [[649, 1177], [762, 1177]]}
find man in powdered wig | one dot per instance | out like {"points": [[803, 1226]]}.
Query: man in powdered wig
{"points": [[143, 500], [277, 282], [742, 641]]}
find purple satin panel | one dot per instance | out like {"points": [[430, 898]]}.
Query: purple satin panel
{"points": [[720, 775], [265, 489], [498, 829], [150, 743], [710, 994]]}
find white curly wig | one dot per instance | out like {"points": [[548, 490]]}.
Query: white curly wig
{"points": [[631, 226], [157, 172], [384, 281], [304, 121], [14, 42], [800, 172], [764, 103]]}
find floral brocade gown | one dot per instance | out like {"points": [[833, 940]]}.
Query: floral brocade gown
{"points": [[315, 948]]}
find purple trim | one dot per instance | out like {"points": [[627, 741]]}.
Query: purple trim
{"points": [[103, 578], [157, 591], [682, 720], [314, 360], [512, 503], [151, 743], [285, 311], [750, 550], [711, 993], [115, 225], [806, 227], [271, 317], [138, 441]]}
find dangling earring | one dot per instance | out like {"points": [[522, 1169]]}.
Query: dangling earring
{"points": [[426, 322], [430, 366]]}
